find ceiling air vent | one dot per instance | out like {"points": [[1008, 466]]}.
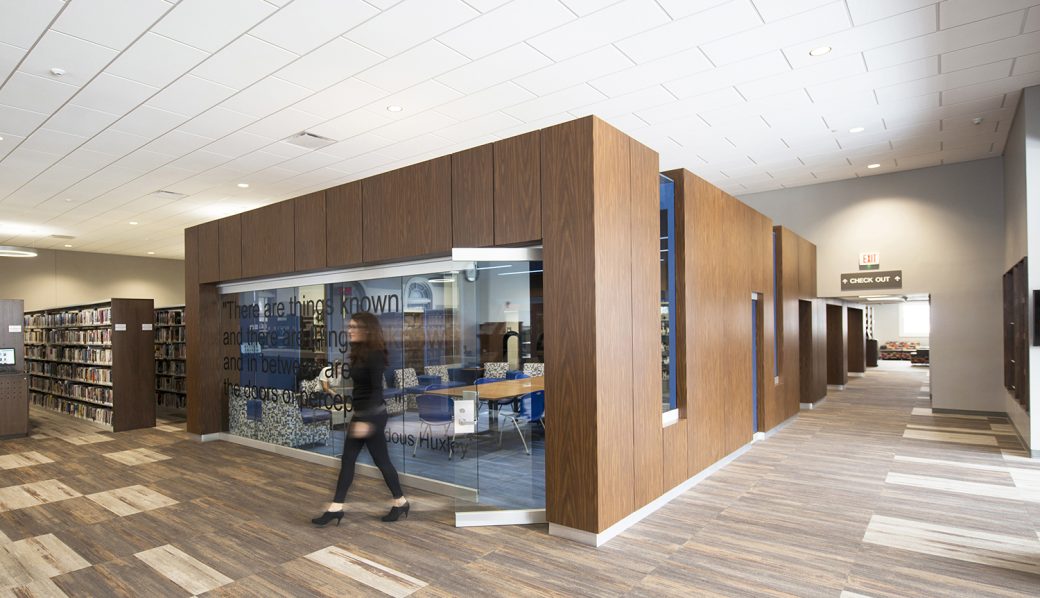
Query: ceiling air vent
{"points": [[62, 237], [310, 140], [162, 194]]}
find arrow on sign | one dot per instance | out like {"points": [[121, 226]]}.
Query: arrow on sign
{"points": [[898, 278], [844, 281]]}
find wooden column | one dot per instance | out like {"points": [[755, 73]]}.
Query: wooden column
{"points": [[857, 349], [201, 315], [837, 357]]}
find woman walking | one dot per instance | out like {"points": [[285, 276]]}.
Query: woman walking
{"points": [[368, 359]]}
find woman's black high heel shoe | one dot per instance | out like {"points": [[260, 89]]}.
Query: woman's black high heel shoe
{"points": [[395, 512], [328, 516]]}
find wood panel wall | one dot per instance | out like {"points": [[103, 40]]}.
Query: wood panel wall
{"points": [[727, 257], [343, 229], [133, 362], [837, 344], [268, 241], [802, 379], [209, 252], [309, 224], [407, 212], [857, 349], [230, 251], [518, 211], [473, 197]]}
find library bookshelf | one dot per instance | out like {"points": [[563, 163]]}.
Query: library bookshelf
{"points": [[170, 358], [94, 361]]}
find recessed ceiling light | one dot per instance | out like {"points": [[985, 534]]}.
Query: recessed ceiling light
{"points": [[68, 200], [151, 253], [394, 108], [856, 130], [57, 72], [67, 245], [134, 222], [873, 166], [244, 185], [819, 51], [1, 138]]}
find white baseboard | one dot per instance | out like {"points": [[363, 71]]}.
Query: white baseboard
{"points": [[836, 387], [489, 518], [812, 405], [857, 374]]}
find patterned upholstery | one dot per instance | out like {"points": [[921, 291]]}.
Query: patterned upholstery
{"points": [[406, 377], [239, 422], [495, 369], [534, 369], [438, 370], [282, 422]]}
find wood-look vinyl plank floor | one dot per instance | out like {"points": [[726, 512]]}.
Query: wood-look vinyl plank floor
{"points": [[792, 516]]}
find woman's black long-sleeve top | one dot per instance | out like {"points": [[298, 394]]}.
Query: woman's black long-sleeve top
{"points": [[367, 374]]}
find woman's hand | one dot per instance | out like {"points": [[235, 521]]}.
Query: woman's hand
{"points": [[360, 430]]}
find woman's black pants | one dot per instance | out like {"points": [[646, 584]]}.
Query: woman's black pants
{"points": [[376, 443]]}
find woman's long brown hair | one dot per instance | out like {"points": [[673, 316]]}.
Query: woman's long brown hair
{"points": [[373, 337]]}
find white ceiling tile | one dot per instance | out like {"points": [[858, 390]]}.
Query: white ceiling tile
{"points": [[156, 60], [415, 147], [147, 121], [946, 40], [678, 9], [506, 26], [414, 99], [311, 161], [177, 144], [216, 122], [265, 97], [584, 7], [486, 5], [627, 104], [29, 162], [331, 63], [945, 81], [24, 22], [414, 126], [29, 92], [114, 95], [199, 161], [864, 84], [285, 150], [895, 119], [1032, 20], [114, 142], [1026, 64], [712, 24], [493, 69], [988, 88], [238, 144], [52, 142], [966, 123], [80, 59], [10, 56], [824, 20], [253, 162], [357, 145], [619, 21], [992, 52], [758, 67], [655, 72], [306, 24], [284, 123], [579, 69], [362, 163], [111, 23], [410, 23], [78, 120], [866, 11], [242, 62], [18, 121], [907, 25], [341, 98], [840, 69], [190, 96], [209, 25], [554, 103], [8, 143], [490, 100], [774, 10], [350, 124], [86, 159], [953, 13], [726, 107], [416, 65], [479, 126], [692, 105], [144, 160]]}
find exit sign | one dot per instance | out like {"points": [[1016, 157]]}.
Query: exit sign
{"points": [[870, 260]]}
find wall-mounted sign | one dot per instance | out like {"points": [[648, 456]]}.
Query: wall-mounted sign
{"points": [[874, 281], [870, 260], [120, 327], [14, 328]]}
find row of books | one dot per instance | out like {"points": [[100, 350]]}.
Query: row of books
{"points": [[93, 316], [170, 351], [171, 368], [170, 318], [86, 336], [170, 335], [77, 354], [77, 372], [72, 390], [94, 413], [172, 384], [171, 400]]}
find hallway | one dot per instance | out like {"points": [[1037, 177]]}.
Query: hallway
{"points": [[868, 495]]}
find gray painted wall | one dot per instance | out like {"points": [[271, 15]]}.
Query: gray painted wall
{"points": [[944, 227]]}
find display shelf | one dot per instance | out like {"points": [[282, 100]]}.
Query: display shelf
{"points": [[170, 352], [73, 355]]}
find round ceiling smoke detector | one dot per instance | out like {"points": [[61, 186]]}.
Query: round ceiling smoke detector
{"points": [[57, 72]]}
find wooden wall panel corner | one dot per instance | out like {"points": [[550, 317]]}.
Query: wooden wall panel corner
{"points": [[518, 189], [268, 240], [407, 212], [310, 229], [343, 226], [473, 197], [209, 252], [230, 234]]}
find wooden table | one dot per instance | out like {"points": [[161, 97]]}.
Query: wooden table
{"points": [[496, 391]]}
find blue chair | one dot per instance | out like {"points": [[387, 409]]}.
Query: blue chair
{"points": [[435, 410], [532, 409]]}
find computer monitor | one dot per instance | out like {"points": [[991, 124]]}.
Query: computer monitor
{"points": [[6, 356]]}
